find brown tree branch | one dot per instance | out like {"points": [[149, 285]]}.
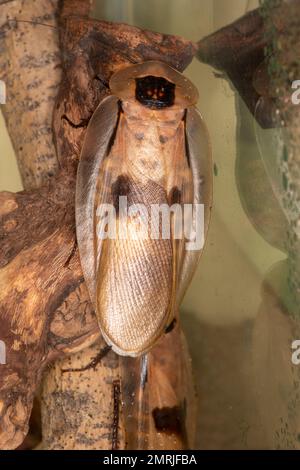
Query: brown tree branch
{"points": [[238, 51], [30, 67]]}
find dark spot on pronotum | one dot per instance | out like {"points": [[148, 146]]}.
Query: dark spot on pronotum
{"points": [[116, 406], [169, 420], [171, 326], [155, 92], [121, 187], [215, 169], [174, 196], [163, 139], [139, 135]]}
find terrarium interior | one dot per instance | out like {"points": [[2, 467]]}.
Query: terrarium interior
{"points": [[238, 314]]}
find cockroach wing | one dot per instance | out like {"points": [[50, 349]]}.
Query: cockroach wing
{"points": [[198, 145], [135, 278], [98, 136]]}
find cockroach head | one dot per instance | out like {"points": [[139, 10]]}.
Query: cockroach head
{"points": [[154, 92], [155, 85]]}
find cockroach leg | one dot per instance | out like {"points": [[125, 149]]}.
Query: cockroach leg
{"points": [[102, 81], [171, 326], [73, 251], [116, 413], [93, 364], [82, 123]]}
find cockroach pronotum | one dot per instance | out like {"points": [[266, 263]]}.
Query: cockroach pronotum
{"points": [[148, 143]]}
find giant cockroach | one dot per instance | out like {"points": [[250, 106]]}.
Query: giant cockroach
{"points": [[148, 143]]}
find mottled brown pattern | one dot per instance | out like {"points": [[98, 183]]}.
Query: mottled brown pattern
{"points": [[32, 68]]}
